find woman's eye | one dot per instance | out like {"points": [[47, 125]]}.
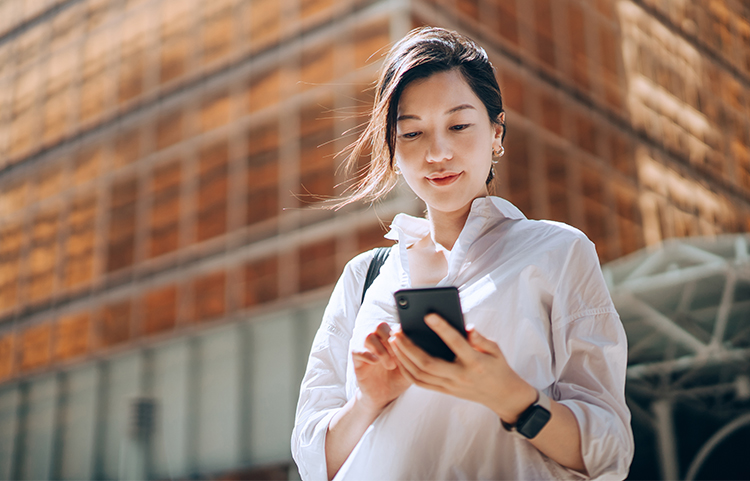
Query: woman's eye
{"points": [[460, 127], [410, 135]]}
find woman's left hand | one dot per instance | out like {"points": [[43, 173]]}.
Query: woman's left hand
{"points": [[479, 373]]}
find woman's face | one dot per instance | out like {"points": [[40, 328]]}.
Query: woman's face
{"points": [[444, 141]]}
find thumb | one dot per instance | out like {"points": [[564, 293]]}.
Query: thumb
{"points": [[481, 343]]}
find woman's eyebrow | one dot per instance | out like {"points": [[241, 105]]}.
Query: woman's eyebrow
{"points": [[447, 112], [460, 107]]}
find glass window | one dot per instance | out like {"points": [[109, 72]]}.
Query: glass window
{"points": [[545, 41], [369, 39], [273, 387], [262, 172], [519, 183], [160, 310], [72, 336], [127, 147], [120, 252], [557, 184], [115, 323], [262, 20], [595, 210], [39, 429], [10, 264], [79, 246], [217, 34], [122, 379], [171, 383], [317, 66], [40, 284], [212, 191], [261, 281], [165, 208], [316, 168], [218, 417], [263, 90], [36, 343], [317, 265], [215, 111], [169, 129], [209, 296], [577, 35], [78, 424], [9, 400]]}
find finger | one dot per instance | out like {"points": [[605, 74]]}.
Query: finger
{"points": [[450, 336], [481, 343], [420, 364], [383, 331], [365, 357], [417, 377], [376, 345], [373, 344]]}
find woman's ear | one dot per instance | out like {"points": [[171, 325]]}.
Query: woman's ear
{"points": [[499, 127]]}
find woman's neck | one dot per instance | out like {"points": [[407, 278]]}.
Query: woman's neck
{"points": [[445, 227]]}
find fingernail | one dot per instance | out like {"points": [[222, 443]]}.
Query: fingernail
{"points": [[430, 319]]}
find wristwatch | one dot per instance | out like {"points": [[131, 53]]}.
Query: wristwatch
{"points": [[533, 419]]}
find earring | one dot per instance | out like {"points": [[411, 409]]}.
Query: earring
{"points": [[396, 170], [498, 153]]}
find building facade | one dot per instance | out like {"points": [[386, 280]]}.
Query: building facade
{"points": [[160, 161]]}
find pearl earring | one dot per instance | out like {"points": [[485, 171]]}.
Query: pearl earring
{"points": [[497, 153]]}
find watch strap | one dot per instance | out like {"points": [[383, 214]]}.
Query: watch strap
{"points": [[537, 414]]}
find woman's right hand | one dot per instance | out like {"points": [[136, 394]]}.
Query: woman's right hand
{"points": [[378, 375]]}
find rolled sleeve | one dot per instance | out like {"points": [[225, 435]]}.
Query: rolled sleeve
{"points": [[590, 348], [323, 390], [592, 361]]}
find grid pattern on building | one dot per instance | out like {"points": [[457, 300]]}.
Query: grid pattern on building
{"points": [[134, 146], [128, 215]]}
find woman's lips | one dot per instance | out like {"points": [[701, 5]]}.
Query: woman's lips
{"points": [[444, 179]]}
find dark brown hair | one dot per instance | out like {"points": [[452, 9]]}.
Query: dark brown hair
{"points": [[421, 53]]}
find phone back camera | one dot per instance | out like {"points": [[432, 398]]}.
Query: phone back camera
{"points": [[403, 302]]}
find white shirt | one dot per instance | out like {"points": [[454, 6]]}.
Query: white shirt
{"points": [[533, 287]]}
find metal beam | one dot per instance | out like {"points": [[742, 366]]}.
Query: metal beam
{"points": [[725, 307], [666, 444], [731, 356], [662, 323]]}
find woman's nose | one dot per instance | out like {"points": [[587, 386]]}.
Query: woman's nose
{"points": [[438, 150]]}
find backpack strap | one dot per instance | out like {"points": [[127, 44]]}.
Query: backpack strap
{"points": [[381, 254]]}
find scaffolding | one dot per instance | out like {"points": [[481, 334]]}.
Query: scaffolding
{"points": [[686, 308]]}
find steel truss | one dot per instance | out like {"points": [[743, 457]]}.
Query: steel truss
{"points": [[685, 306]]}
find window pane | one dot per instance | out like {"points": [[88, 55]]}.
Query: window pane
{"points": [[218, 404], [78, 425], [40, 427], [171, 378]]}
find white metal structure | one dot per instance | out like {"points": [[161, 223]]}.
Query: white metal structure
{"points": [[686, 308]]}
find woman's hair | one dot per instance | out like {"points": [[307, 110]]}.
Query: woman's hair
{"points": [[420, 54]]}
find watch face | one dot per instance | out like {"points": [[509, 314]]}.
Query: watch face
{"points": [[532, 421]]}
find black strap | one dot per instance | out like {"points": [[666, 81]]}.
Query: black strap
{"points": [[381, 254]]}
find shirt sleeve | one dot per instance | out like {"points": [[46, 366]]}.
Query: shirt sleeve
{"points": [[590, 363], [323, 390]]}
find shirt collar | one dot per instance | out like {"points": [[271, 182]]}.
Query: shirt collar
{"points": [[407, 229]]}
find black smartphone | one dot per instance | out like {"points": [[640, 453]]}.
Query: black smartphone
{"points": [[414, 304]]}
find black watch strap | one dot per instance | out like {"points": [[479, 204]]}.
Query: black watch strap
{"points": [[533, 419]]}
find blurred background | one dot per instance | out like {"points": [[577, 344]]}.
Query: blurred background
{"points": [[162, 273]]}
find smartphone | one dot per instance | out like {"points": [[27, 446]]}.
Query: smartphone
{"points": [[414, 304]]}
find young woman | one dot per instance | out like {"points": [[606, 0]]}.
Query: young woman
{"points": [[537, 388]]}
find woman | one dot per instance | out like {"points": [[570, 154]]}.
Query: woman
{"points": [[537, 387]]}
